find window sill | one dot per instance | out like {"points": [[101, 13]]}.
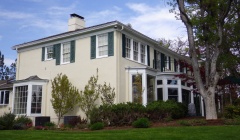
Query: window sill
{"points": [[48, 59], [4, 104], [102, 56], [65, 63]]}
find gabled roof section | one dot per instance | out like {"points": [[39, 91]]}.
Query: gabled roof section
{"points": [[6, 85], [33, 78]]}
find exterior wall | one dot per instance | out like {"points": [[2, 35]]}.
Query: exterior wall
{"points": [[79, 72], [7, 108]]}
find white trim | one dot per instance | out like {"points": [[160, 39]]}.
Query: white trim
{"points": [[97, 47], [46, 54], [29, 98]]}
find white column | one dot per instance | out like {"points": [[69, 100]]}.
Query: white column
{"points": [[179, 91], [165, 90], [144, 87], [29, 98], [192, 99]]}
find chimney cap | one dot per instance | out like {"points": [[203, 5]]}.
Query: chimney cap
{"points": [[76, 15]]}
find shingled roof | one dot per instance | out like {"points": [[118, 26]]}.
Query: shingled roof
{"points": [[6, 84], [31, 78]]}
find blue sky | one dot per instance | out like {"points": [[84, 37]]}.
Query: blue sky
{"points": [[26, 20]]}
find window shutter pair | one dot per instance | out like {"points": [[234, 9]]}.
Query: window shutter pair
{"points": [[110, 45], [57, 53]]}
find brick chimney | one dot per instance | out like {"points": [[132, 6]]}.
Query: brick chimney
{"points": [[75, 22]]}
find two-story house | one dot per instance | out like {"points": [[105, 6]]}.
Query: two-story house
{"points": [[117, 50]]}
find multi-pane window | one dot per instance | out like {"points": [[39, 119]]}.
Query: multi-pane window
{"points": [[143, 54], [49, 52], [135, 50], [128, 47], [103, 45], [173, 94], [4, 97], [66, 52], [20, 100], [36, 102]]}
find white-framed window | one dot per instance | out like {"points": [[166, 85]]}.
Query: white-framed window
{"points": [[4, 97], [66, 48], [27, 99], [128, 48], [49, 53], [36, 102], [102, 47], [173, 94], [135, 51], [143, 53], [20, 99]]}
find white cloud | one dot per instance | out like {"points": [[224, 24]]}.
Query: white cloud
{"points": [[14, 15], [156, 22]]}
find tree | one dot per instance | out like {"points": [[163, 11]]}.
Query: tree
{"points": [[108, 94], [89, 96], [64, 96], [7, 73], [205, 22]]}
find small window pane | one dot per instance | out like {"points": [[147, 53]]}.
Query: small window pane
{"points": [[103, 45], [159, 82], [172, 82], [173, 94]]}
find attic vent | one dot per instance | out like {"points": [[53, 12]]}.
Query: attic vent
{"points": [[129, 25]]}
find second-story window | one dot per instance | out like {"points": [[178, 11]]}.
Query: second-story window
{"points": [[143, 54], [102, 45], [135, 50], [49, 52], [128, 48], [66, 52]]}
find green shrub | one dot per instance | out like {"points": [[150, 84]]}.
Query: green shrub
{"points": [[232, 111], [97, 126], [50, 125], [75, 121], [22, 122], [7, 121], [141, 123]]}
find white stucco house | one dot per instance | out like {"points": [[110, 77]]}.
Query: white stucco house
{"points": [[117, 50]]}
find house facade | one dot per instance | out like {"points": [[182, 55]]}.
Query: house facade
{"points": [[118, 52], [6, 87]]}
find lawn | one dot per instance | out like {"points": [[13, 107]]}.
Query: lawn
{"points": [[163, 133]]}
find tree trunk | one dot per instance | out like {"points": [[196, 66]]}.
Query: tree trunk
{"points": [[210, 105]]}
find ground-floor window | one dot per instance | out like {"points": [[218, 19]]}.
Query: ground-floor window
{"points": [[186, 96], [173, 94], [36, 99], [159, 94], [150, 88], [20, 100], [137, 88], [22, 103], [4, 97]]}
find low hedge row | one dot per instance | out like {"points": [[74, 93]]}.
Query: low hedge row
{"points": [[127, 113]]}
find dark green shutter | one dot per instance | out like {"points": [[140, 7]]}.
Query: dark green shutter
{"points": [[123, 45], [93, 47], [155, 59], [72, 52], [110, 44], [162, 62], [175, 65], [58, 53], [148, 55], [43, 53], [169, 59]]}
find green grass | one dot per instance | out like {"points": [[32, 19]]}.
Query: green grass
{"points": [[163, 133]]}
